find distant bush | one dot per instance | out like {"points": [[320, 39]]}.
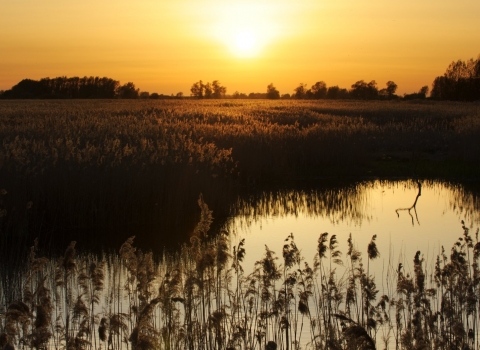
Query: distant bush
{"points": [[144, 94]]}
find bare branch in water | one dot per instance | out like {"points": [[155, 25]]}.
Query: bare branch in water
{"points": [[414, 206]]}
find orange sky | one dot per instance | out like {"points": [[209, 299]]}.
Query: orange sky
{"points": [[165, 46]]}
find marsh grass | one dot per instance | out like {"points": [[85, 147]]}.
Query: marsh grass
{"points": [[106, 169], [97, 171], [201, 298]]}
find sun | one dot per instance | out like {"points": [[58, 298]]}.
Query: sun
{"points": [[245, 28], [245, 44]]}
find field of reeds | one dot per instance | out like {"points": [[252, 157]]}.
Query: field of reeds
{"points": [[100, 171], [120, 166], [201, 298]]}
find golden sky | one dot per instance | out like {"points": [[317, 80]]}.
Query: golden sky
{"points": [[165, 46]]}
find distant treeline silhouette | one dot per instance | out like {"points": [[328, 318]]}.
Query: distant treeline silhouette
{"points": [[361, 90], [461, 82], [75, 87]]}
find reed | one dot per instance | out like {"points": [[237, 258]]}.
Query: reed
{"points": [[111, 168], [201, 298]]}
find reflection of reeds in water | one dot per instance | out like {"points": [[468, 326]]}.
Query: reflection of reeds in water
{"points": [[349, 203], [464, 203], [202, 299], [337, 203]]}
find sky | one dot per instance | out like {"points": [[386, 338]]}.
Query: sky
{"points": [[166, 46]]}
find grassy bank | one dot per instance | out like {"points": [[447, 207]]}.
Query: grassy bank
{"points": [[201, 298]]}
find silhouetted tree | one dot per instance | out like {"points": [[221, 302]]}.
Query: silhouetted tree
{"points": [[335, 92], [440, 88], [237, 94], [144, 94], [389, 91], [319, 90], [285, 97], [128, 90], [459, 70], [391, 88], [476, 68], [420, 95], [332, 92], [461, 81], [219, 91], [27, 88], [424, 90], [154, 95], [300, 91], [362, 90], [208, 90], [179, 95], [198, 89], [272, 92], [257, 95], [383, 94]]}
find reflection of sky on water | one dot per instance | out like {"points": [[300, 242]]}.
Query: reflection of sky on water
{"points": [[363, 211]]}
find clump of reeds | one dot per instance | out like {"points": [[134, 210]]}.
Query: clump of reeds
{"points": [[201, 298]]}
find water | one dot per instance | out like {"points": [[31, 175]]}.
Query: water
{"points": [[405, 216], [381, 208]]}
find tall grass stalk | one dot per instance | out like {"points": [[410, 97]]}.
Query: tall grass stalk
{"points": [[201, 298]]}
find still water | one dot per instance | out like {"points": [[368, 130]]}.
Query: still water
{"points": [[406, 216]]}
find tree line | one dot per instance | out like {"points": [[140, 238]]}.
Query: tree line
{"points": [[71, 88], [319, 90], [460, 82]]}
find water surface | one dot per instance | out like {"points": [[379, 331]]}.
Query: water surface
{"points": [[406, 216]]}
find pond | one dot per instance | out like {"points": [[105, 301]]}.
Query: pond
{"points": [[197, 297], [406, 216]]}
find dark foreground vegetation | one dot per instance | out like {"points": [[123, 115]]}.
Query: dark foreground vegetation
{"points": [[201, 298], [107, 169]]}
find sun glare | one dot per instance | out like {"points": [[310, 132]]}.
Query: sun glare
{"points": [[245, 44], [246, 28]]}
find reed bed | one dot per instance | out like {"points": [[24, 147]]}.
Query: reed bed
{"points": [[201, 298], [100, 171], [242, 138], [98, 166]]}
